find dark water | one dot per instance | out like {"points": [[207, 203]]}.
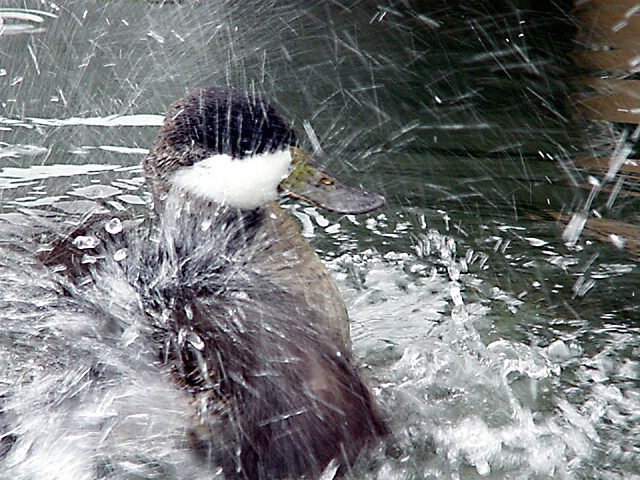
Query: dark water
{"points": [[497, 350]]}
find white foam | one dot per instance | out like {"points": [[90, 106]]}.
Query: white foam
{"points": [[242, 183]]}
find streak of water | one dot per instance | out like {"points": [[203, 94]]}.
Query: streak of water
{"points": [[499, 353]]}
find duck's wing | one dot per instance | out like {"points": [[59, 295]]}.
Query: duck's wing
{"points": [[74, 249], [280, 399]]}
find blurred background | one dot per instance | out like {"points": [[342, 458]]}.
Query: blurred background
{"points": [[495, 297]]}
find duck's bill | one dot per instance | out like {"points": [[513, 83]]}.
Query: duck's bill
{"points": [[311, 183]]}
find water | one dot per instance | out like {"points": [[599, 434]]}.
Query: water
{"points": [[497, 349]]}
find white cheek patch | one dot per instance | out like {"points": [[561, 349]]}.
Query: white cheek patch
{"points": [[242, 183]]}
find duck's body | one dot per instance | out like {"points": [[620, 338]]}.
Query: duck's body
{"points": [[239, 308], [261, 346]]}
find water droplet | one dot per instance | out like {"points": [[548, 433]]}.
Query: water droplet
{"points": [[113, 226], [558, 351], [88, 259], [182, 336], [195, 340], [573, 230], [95, 192], [84, 242], [456, 295], [617, 240], [155, 36]]}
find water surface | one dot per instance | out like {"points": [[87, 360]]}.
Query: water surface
{"points": [[497, 350]]}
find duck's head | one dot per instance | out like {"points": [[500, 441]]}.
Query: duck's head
{"points": [[232, 148]]}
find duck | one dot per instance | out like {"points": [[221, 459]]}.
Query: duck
{"points": [[244, 314]]}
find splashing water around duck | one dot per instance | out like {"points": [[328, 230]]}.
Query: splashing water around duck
{"points": [[487, 347]]}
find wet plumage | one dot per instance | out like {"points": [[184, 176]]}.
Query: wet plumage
{"points": [[228, 298]]}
